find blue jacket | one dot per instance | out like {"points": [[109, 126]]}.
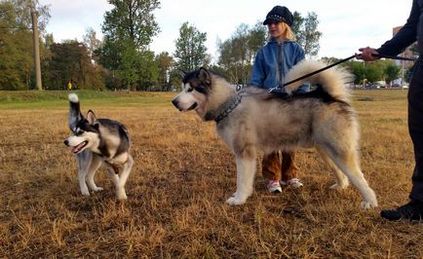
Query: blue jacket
{"points": [[272, 56]]}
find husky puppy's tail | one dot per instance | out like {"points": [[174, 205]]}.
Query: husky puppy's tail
{"points": [[332, 80], [74, 111]]}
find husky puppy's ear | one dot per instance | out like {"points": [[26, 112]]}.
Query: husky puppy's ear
{"points": [[91, 117], [204, 76], [74, 111], [182, 73]]}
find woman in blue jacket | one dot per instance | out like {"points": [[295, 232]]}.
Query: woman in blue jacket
{"points": [[270, 66]]}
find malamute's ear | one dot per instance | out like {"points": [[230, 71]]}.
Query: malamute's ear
{"points": [[91, 117], [204, 76]]}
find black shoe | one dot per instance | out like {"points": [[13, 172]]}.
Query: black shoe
{"points": [[411, 211]]}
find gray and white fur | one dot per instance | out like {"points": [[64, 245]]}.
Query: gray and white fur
{"points": [[96, 142], [254, 119]]}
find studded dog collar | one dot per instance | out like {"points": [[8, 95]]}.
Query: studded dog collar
{"points": [[228, 107]]}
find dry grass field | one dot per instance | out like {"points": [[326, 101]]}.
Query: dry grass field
{"points": [[182, 176]]}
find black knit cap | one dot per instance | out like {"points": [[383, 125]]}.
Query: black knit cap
{"points": [[279, 14]]}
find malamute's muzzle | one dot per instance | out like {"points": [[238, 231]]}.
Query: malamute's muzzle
{"points": [[177, 104]]}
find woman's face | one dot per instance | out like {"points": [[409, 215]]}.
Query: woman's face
{"points": [[276, 29]]}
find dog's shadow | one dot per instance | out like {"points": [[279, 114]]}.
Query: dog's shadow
{"points": [[308, 202]]}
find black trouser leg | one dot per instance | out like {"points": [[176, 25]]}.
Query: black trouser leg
{"points": [[415, 126]]}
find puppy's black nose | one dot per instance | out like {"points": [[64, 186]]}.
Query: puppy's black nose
{"points": [[66, 142], [175, 103]]}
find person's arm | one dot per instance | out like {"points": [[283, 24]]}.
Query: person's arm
{"points": [[258, 74], [300, 55], [404, 38], [406, 35]]}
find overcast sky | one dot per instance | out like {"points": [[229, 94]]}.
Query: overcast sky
{"points": [[346, 25]]}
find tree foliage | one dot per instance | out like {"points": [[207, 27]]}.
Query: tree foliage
{"points": [[358, 69], [16, 57], [123, 59], [128, 30], [70, 61], [190, 50], [148, 72], [237, 53], [392, 72], [165, 64], [23, 16], [131, 20], [307, 34], [381, 70], [91, 42]]}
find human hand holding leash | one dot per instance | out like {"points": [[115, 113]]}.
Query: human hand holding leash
{"points": [[368, 54]]}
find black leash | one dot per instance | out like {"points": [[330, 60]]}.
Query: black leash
{"points": [[234, 103], [319, 70], [342, 61], [395, 57]]}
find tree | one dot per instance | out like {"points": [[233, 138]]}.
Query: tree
{"points": [[70, 61], [238, 52], [297, 24], [31, 5], [128, 65], [358, 70], [392, 72], [307, 34], [227, 60], [190, 49], [165, 64], [23, 16], [131, 20], [128, 30], [16, 63], [374, 71], [14, 45], [91, 42], [256, 39], [148, 70]]}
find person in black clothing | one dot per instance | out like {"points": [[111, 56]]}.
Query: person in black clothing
{"points": [[409, 33]]}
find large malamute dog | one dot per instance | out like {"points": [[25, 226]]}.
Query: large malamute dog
{"points": [[253, 119], [96, 142]]}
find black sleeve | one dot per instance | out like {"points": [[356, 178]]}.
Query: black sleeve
{"points": [[406, 36]]}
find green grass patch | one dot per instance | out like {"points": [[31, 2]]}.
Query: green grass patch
{"points": [[59, 99], [52, 99]]}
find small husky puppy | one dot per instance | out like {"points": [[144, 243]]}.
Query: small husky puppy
{"points": [[253, 119], [96, 142]]}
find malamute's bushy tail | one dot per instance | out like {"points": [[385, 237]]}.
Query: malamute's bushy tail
{"points": [[74, 111], [332, 80]]}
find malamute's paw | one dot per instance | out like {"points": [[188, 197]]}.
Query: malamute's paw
{"points": [[121, 195], [235, 201], [97, 189], [338, 186], [85, 192], [368, 205]]}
